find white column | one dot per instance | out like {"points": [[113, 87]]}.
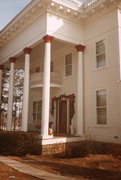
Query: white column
{"points": [[1, 72], [46, 87], [25, 106], [80, 93], [10, 94]]}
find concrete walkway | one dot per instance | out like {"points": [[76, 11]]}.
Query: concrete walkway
{"points": [[21, 167]]}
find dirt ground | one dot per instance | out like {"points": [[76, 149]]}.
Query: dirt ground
{"points": [[91, 167], [7, 173]]}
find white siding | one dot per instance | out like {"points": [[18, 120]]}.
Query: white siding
{"points": [[107, 78]]}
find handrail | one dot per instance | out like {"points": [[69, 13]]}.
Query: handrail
{"points": [[71, 3], [37, 78]]}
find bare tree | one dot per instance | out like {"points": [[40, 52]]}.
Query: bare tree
{"points": [[17, 98]]}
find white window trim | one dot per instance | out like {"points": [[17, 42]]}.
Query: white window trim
{"points": [[67, 77], [37, 101], [95, 68], [107, 119]]}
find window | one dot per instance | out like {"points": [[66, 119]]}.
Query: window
{"points": [[68, 65], [100, 54], [51, 66], [34, 112], [37, 111], [37, 69], [101, 107]]}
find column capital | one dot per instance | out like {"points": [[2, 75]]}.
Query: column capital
{"points": [[12, 59], [1, 67], [80, 47], [27, 50], [48, 38]]}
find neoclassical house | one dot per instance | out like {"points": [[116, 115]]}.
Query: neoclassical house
{"points": [[71, 55]]}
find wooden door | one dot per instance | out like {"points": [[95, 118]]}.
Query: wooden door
{"points": [[63, 116]]}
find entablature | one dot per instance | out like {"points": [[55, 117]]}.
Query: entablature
{"points": [[71, 9]]}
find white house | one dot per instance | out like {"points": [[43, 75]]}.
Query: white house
{"points": [[71, 55]]}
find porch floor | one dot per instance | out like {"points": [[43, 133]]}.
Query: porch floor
{"points": [[62, 138]]}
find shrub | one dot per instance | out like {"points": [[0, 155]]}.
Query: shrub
{"points": [[84, 148], [19, 143]]}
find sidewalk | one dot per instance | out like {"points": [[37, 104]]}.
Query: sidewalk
{"points": [[21, 167]]}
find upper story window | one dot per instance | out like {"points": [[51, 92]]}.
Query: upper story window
{"points": [[101, 107], [100, 54], [51, 66], [68, 65]]}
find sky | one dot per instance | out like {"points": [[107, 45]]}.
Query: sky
{"points": [[9, 9]]}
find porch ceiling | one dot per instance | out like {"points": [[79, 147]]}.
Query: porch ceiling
{"points": [[38, 51]]}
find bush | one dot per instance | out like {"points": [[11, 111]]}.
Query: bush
{"points": [[19, 143], [84, 148]]}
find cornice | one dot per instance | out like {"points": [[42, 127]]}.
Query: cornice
{"points": [[38, 7], [65, 12], [26, 17], [101, 9]]}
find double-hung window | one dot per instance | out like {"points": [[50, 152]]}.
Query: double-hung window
{"points": [[100, 54], [68, 65], [37, 69], [51, 66], [101, 107], [37, 111]]}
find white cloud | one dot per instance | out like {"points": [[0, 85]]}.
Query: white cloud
{"points": [[9, 9]]}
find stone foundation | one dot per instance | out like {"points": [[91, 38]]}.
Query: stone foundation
{"points": [[60, 146], [59, 149], [80, 148]]}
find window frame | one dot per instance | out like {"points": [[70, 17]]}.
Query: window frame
{"points": [[36, 111], [102, 53], [37, 69], [52, 66], [101, 107], [68, 65]]}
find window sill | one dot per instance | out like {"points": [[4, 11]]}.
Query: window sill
{"points": [[67, 77], [101, 68], [102, 126]]}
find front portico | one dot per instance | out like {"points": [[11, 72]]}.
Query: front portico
{"points": [[46, 85], [52, 59]]}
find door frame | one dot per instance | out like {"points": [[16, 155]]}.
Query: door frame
{"points": [[70, 110], [59, 118]]}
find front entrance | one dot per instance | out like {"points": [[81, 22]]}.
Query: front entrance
{"points": [[62, 110], [63, 116]]}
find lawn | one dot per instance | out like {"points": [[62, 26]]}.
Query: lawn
{"points": [[7, 173], [94, 167]]}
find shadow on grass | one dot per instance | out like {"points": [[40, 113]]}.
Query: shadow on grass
{"points": [[74, 170]]}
